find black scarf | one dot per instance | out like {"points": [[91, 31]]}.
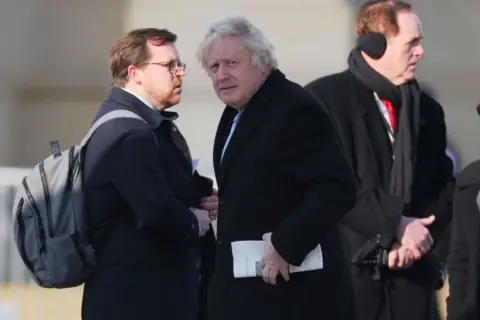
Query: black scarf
{"points": [[406, 98]]}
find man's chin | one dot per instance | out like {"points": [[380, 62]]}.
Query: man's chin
{"points": [[407, 77], [410, 75], [173, 101]]}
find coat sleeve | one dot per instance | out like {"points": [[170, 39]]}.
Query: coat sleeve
{"points": [[311, 156], [442, 207], [139, 177], [203, 187], [457, 264]]}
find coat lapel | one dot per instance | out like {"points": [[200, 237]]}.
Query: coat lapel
{"points": [[377, 133], [221, 135], [181, 144], [249, 119], [246, 124]]}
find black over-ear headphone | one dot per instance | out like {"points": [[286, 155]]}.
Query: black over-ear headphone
{"points": [[373, 44]]}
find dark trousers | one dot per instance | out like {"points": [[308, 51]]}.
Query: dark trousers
{"points": [[400, 299]]}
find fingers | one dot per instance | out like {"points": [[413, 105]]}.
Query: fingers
{"points": [[209, 203], [212, 214], [270, 273], [406, 258], [272, 263], [418, 237], [209, 206], [392, 259], [416, 252], [428, 220], [401, 261], [426, 242], [400, 258], [409, 259], [285, 274]]}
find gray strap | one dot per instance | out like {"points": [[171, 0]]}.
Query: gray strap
{"points": [[107, 117], [478, 201]]}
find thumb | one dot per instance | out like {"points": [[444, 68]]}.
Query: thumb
{"points": [[428, 221], [266, 236]]}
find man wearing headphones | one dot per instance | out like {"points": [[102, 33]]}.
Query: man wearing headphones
{"points": [[394, 136]]}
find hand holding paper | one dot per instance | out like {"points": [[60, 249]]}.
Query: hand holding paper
{"points": [[247, 257], [273, 263]]}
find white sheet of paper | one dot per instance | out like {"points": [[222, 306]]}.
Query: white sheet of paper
{"points": [[248, 254], [195, 164]]}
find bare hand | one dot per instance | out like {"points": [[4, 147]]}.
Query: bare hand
{"points": [[211, 205], [414, 235], [272, 263], [400, 257]]}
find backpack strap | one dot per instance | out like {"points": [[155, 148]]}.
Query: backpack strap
{"points": [[478, 200], [116, 114]]}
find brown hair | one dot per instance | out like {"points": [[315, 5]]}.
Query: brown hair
{"points": [[132, 49], [380, 16]]}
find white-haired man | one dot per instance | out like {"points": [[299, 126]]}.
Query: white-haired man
{"points": [[281, 177]]}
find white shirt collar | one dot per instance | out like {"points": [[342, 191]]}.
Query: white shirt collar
{"points": [[148, 104]]}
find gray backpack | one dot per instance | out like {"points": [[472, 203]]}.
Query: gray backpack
{"points": [[49, 215]]}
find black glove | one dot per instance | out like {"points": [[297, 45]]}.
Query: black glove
{"points": [[371, 254]]}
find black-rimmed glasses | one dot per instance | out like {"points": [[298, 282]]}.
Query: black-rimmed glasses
{"points": [[174, 66]]}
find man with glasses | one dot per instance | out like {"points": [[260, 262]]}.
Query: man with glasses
{"points": [[148, 208]]}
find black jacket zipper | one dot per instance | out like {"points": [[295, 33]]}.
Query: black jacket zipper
{"points": [[41, 230], [48, 202]]}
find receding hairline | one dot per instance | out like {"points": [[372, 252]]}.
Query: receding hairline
{"points": [[381, 16]]}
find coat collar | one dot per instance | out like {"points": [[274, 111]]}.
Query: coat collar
{"points": [[251, 115], [152, 117]]}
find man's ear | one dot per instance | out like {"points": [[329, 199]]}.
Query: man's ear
{"points": [[263, 70], [134, 74]]}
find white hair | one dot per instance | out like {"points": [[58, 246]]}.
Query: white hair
{"points": [[256, 44]]}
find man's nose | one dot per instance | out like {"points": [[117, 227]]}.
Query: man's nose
{"points": [[420, 51], [180, 73], [222, 73]]}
